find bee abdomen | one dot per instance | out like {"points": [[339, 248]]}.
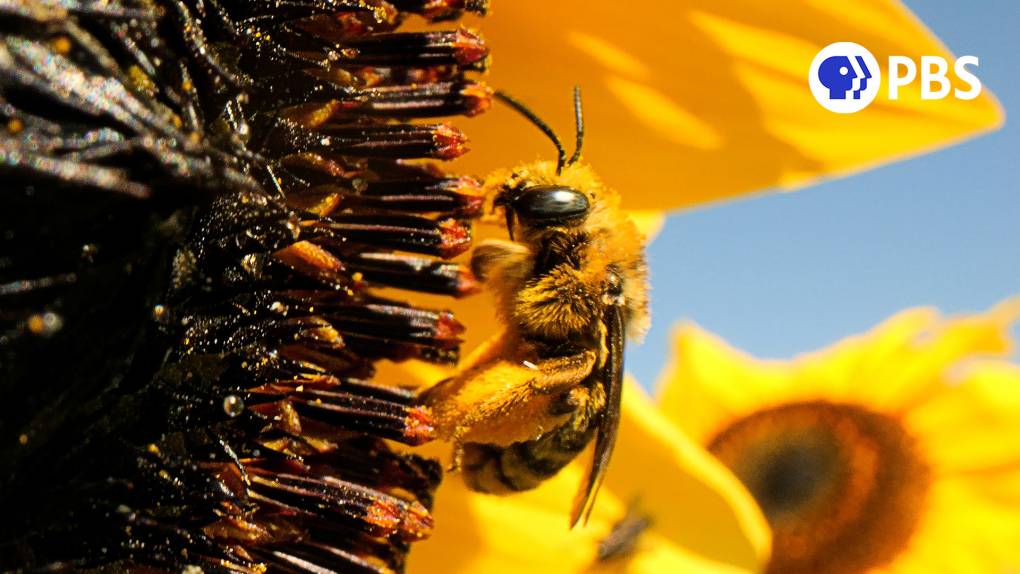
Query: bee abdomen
{"points": [[523, 465]]}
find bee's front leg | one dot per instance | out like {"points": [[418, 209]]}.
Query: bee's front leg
{"points": [[502, 265]]}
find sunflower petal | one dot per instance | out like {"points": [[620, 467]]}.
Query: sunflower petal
{"points": [[857, 366], [528, 532], [919, 369], [692, 101], [658, 464], [708, 383], [972, 428], [961, 532]]}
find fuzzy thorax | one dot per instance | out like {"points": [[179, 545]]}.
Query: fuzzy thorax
{"points": [[564, 302]]}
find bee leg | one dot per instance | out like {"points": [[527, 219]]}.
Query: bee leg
{"points": [[494, 258], [569, 401], [501, 401], [560, 373]]}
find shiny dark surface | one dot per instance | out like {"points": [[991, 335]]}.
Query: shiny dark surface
{"points": [[550, 205]]}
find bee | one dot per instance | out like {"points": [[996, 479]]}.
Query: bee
{"points": [[570, 285]]}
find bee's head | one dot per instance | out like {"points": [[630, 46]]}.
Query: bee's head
{"points": [[537, 206], [540, 198]]}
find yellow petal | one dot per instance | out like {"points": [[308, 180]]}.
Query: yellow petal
{"points": [[893, 367], [691, 101], [648, 221], [960, 532], [528, 533], [923, 365], [481, 533], [856, 368], [656, 463], [973, 428], [708, 383], [702, 519]]}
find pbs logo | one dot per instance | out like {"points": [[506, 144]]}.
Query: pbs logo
{"points": [[845, 77]]}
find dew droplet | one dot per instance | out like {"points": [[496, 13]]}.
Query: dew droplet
{"points": [[88, 252], [158, 312], [233, 405]]}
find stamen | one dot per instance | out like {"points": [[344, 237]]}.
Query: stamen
{"points": [[416, 273], [440, 141], [425, 101], [462, 47], [442, 9], [447, 238]]}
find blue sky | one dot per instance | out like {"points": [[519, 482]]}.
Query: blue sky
{"points": [[786, 273]]}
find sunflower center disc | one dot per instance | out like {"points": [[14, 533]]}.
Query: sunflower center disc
{"points": [[841, 486]]}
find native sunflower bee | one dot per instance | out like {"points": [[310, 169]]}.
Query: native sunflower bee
{"points": [[570, 285]]}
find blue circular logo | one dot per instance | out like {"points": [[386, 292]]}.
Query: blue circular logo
{"points": [[844, 77]]}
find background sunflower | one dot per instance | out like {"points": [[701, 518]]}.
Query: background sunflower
{"points": [[894, 451]]}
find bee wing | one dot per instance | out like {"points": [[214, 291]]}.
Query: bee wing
{"points": [[612, 379]]}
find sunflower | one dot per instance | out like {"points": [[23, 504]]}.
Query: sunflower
{"points": [[895, 451], [200, 207]]}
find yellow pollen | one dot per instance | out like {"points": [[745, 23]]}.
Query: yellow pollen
{"points": [[141, 80], [843, 487], [61, 45]]}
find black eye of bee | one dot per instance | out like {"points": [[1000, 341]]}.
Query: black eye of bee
{"points": [[547, 205]]}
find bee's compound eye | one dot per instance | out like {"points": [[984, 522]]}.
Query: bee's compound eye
{"points": [[545, 205]]}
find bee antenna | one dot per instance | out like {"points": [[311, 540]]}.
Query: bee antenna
{"points": [[579, 123], [534, 119]]}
